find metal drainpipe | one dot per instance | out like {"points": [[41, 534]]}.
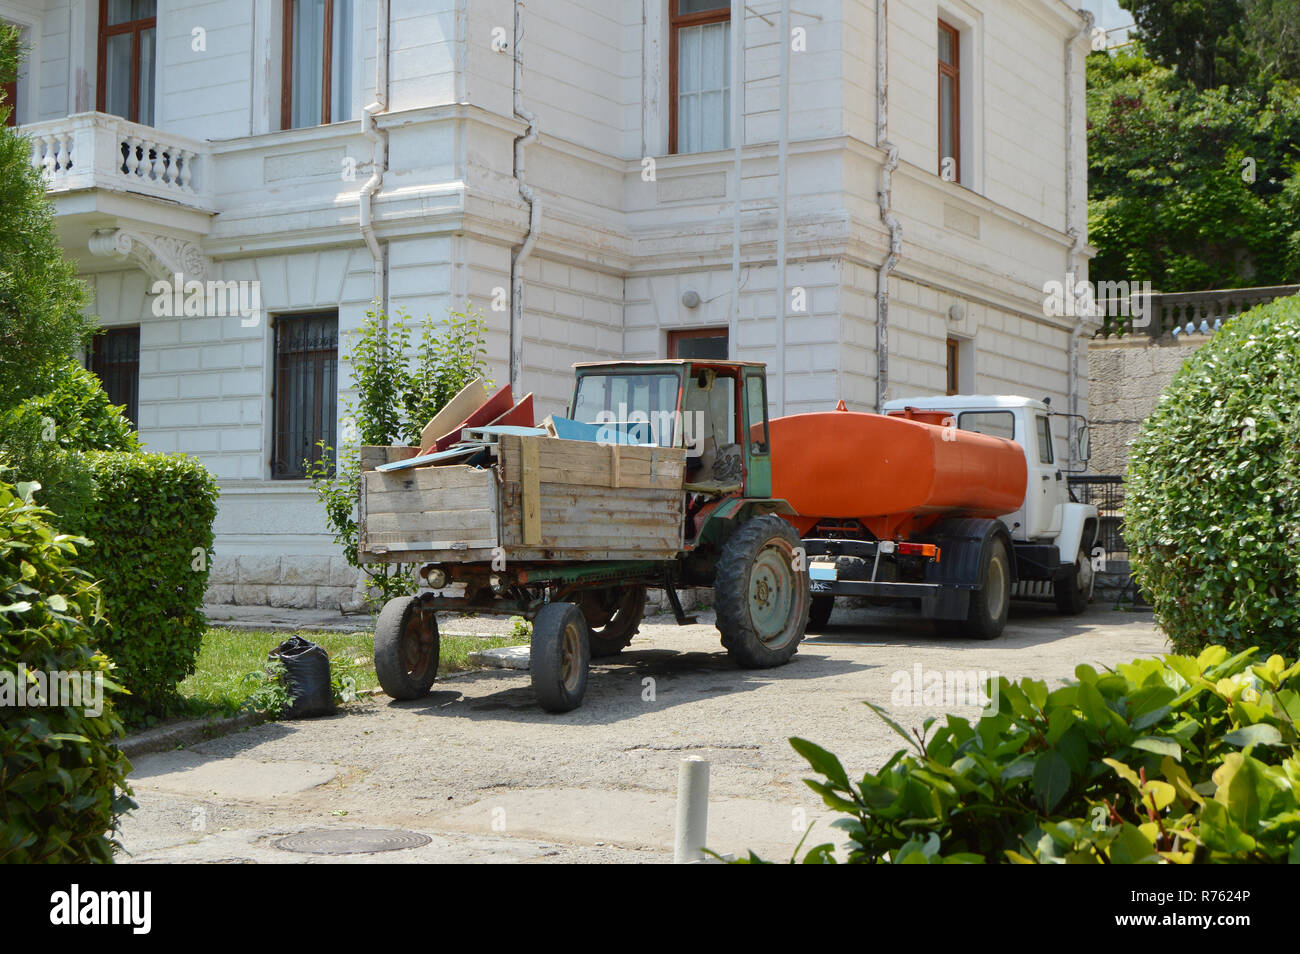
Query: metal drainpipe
{"points": [[1073, 230], [737, 142], [379, 159], [783, 201], [884, 198], [519, 255]]}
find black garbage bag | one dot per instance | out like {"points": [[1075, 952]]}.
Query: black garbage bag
{"points": [[307, 676]]}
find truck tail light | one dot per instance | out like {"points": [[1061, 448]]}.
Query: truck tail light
{"points": [[927, 550]]}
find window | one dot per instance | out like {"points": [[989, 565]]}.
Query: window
{"points": [[127, 43], [949, 102], [305, 394], [756, 413], [992, 423], [1045, 453], [316, 84], [954, 366], [699, 75], [115, 360], [705, 343]]}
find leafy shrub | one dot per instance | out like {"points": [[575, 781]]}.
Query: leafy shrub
{"points": [[1212, 509], [40, 439], [152, 546], [63, 782], [1182, 760]]}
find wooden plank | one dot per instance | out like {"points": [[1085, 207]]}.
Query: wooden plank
{"points": [[454, 411], [372, 457], [463, 498], [497, 404], [455, 524], [426, 480], [530, 490]]}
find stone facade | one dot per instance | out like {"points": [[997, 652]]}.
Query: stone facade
{"points": [[616, 249]]}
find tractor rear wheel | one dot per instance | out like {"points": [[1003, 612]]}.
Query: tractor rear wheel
{"points": [[762, 601]]}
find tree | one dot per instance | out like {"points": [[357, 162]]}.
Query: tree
{"points": [[1188, 188], [41, 322], [1273, 29], [1203, 41]]}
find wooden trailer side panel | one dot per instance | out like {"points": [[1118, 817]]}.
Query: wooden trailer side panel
{"points": [[575, 500], [453, 509]]}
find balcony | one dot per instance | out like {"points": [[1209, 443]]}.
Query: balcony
{"points": [[111, 180]]}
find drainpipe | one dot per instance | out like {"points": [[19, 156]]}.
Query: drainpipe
{"points": [[519, 254], [884, 198], [379, 160], [1074, 230], [737, 141], [783, 201]]}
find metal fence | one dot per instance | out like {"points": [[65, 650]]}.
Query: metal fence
{"points": [[1106, 493]]}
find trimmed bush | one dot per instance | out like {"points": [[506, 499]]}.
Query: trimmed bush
{"points": [[1212, 508], [63, 781], [76, 409], [151, 533], [1185, 760]]}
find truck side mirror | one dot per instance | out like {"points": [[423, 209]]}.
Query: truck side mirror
{"points": [[1083, 443]]}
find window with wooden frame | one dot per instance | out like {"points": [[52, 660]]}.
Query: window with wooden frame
{"points": [[954, 366], [705, 343], [316, 81], [128, 35], [949, 102], [304, 395], [699, 75], [115, 359]]}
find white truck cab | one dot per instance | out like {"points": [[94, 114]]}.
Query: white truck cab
{"points": [[1053, 536]]}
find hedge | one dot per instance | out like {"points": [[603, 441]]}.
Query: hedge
{"points": [[151, 533], [1180, 761], [63, 780], [1212, 508]]}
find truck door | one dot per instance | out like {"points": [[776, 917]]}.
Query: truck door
{"points": [[1046, 482], [758, 458]]}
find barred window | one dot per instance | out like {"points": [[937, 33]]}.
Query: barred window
{"points": [[305, 395], [115, 360]]}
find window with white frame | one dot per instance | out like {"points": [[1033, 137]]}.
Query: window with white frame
{"points": [[699, 69]]}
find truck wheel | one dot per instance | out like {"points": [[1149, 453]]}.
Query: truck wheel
{"points": [[558, 657], [406, 648], [762, 601], [1075, 591], [820, 614], [989, 604], [612, 618]]}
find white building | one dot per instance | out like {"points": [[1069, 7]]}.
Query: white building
{"points": [[659, 180]]}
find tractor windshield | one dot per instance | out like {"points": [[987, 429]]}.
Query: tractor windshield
{"points": [[643, 404]]}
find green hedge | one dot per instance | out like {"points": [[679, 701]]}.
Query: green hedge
{"points": [[63, 782], [151, 533], [1212, 508], [1181, 760]]}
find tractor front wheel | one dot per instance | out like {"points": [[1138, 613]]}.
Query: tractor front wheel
{"points": [[613, 616], [761, 599]]}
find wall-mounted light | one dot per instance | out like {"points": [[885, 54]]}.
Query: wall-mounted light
{"points": [[691, 299]]}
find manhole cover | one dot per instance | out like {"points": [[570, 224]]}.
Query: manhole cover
{"points": [[351, 841]]}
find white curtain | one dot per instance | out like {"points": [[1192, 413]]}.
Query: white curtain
{"points": [[703, 88]]}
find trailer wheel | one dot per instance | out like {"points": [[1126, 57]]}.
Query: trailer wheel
{"points": [[559, 656], [762, 600], [406, 648], [990, 603], [820, 614], [613, 616], [1075, 591]]}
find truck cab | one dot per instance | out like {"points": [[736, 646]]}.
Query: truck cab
{"points": [[1050, 531]]}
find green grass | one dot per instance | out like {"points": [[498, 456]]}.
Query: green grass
{"points": [[228, 655]]}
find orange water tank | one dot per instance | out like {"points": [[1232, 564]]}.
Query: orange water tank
{"points": [[894, 475]]}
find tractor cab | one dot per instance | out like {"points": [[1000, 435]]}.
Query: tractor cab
{"points": [[715, 410]]}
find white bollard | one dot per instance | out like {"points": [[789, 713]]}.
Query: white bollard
{"points": [[692, 810]]}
